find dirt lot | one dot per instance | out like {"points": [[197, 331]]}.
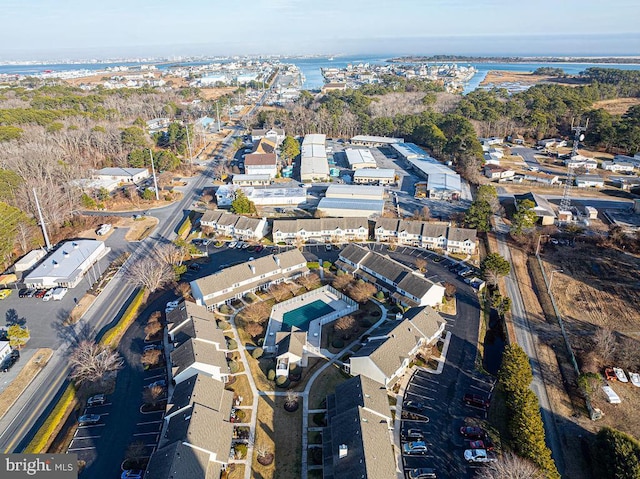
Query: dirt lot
{"points": [[617, 106], [597, 287], [496, 77], [214, 93]]}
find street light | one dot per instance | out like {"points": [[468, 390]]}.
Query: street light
{"points": [[538, 247], [551, 278]]}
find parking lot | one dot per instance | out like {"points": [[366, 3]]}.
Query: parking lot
{"points": [[441, 395]]}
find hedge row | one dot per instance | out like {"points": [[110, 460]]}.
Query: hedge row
{"points": [[185, 227], [112, 336], [617, 455], [47, 432]]}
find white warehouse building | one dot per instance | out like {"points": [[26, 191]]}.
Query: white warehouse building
{"points": [[360, 158], [66, 266], [313, 158]]}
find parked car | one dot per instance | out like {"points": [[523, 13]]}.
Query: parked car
{"points": [[4, 293], [132, 474], [194, 267], [413, 406], [40, 293], [96, 400], [472, 432], [478, 455], [47, 295], [88, 419], [412, 435], [245, 245], [233, 244], [259, 248], [239, 245], [423, 473], [252, 248], [22, 293], [475, 400], [31, 293], [414, 448], [328, 247]]}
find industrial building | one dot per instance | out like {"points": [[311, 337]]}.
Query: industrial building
{"points": [[225, 195], [356, 192], [360, 158], [442, 182], [251, 180], [66, 266], [375, 176], [343, 207], [313, 159], [372, 140], [28, 261]]}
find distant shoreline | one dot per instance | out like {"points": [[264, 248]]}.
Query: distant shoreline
{"points": [[456, 58]]}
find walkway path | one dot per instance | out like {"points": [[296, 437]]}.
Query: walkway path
{"points": [[525, 339]]}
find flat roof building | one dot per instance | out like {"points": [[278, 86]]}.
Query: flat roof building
{"points": [[252, 180], [313, 159], [372, 140], [66, 266], [375, 176], [359, 192], [344, 207], [360, 158]]}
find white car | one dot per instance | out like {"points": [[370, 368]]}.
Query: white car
{"points": [[478, 455], [48, 295], [233, 244]]}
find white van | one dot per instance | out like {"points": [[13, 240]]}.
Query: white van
{"points": [[612, 397], [104, 229], [58, 293]]}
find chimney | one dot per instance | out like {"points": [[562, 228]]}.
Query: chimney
{"points": [[277, 259], [342, 451], [253, 268]]}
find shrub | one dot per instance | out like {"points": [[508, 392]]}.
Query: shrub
{"points": [[282, 382], [241, 415], [55, 419], [319, 419], [271, 374], [337, 343], [241, 450], [232, 344], [224, 309], [113, 335], [257, 353], [618, 455], [313, 265], [380, 296], [234, 367]]}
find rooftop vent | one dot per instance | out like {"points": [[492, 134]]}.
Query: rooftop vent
{"points": [[54, 263], [342, 450], [253, 268], [277, 259], [75, 245], [65, 254]]}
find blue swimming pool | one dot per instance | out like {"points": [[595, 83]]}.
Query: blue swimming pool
{"points": [[302, 316]]}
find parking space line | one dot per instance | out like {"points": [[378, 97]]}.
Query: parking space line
{"points": [[154, 377], [426, 377], [420, 396], [92, 425], [148, 422], [80, 449], [478, 388], [423, 387], [155, 433], [85, 437]]}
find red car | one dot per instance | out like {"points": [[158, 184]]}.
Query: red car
{"points": [[609, 374], [259, 248], [472, 432]]}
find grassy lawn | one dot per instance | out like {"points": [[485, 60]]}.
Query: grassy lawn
{"points": [[325, 384], [449, 307], [281, 432], [23, 379], [241, 388], [259, 369]]}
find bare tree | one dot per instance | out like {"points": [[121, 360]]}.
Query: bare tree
{"points": [[153, 328], [449, 290], [604, 342], [510, 466], [422, 214], [254, 329], [291, 399], [361, 291], [91, 362], [421, 264], [279, 291], [257, 312], [309, 281], [153, 395], [149, 272], [344, 325], [342, 281]]}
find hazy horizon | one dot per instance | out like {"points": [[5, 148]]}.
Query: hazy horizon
{"points": [[42, 30]]}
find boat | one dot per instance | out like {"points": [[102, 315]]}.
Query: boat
{"points": [[635, 379], [622, 377], [330, 59]]}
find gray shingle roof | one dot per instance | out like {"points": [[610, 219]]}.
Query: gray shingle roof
{"points": [[203, 428], [223, 218], [354, 253], [227, 277], [320, 224], [291, 342], [178, 461], [193, 351], [369, 451], [388, 224], [461, 234], [203, 390], [362, 391], [389, 353]]}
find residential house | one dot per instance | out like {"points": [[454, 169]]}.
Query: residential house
{"points": [[424, 234], [385, 358], [252, 180], [405, 286], [617, 166], [321, 230], [494, 140], [579, 161], [276, 135], [203, 390], [539, 177], [386, 229], [236, 226], [625, 182], [198, 356], [5, 350], [461, 240], [236, 281], [356, 442], [552, 143], [261, 164], [122, 175], [589, 181], [265, 146], [494, 172], [516, 139], [543, 209], [192, 321]]}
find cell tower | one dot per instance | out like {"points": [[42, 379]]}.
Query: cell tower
{"points": [[565, 203]]}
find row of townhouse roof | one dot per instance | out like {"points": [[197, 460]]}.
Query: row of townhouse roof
{"points": [[236, 281], [407, 287], [197, 431], [237, 226], [426, 235]]}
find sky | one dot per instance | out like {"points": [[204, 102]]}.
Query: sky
{"points": [[75, 29]]}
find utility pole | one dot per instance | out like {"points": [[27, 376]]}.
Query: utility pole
{"points": [[186, 127], [565, 203], [153, 171], [218, 115], [44, 227]]}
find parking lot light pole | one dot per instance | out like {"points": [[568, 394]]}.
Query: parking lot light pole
{"points": [[551, 278], [538, 246]]}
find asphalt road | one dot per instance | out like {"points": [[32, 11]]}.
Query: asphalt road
{"points": [[27, 413], [442, 394]]}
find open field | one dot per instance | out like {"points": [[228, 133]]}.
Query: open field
{"points": [[215, 93], [617, 106], [281, 432], [496, 77]]}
